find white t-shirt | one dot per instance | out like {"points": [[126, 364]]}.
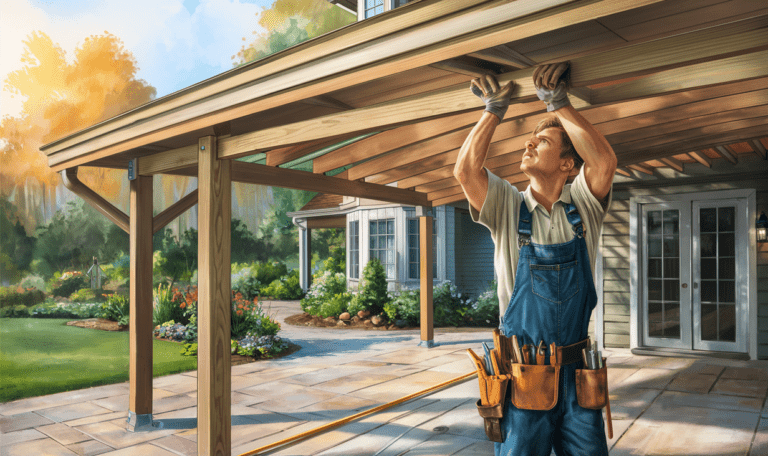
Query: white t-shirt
{"points": [[500, 214]]}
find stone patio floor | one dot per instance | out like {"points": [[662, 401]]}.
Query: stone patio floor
{"points": [[660, 405]]}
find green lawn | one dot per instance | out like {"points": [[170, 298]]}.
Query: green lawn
{"points": [[43, 356]]}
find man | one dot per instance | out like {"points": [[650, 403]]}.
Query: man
{"points": [[545, 242]]}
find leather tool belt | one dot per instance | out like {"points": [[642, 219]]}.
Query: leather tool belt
{"points": [[533, 386]]}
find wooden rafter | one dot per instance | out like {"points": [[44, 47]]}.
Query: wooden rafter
{"points": [[504, 55], [727, 153], [701, 158], [623, 172], [673, 163], [759, 149], [642, 168]]}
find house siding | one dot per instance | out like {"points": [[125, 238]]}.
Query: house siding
{"points": [[616, 252], [474, 251]]}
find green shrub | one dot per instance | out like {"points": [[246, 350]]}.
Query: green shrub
{"points": [[405, 306], [87, 295], [61, 310], [249, 279], [287, 287], [485, 311], [373, 289], [33, 281], [190, 349], [14, 296], [336, 262], [333, 306], [449, 306], [17, 311], [324, 288], [68, 283], [116, 308], [168, 305], [249, 318]]}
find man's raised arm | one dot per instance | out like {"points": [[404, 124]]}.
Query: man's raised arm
{"points": [[599, 157], [469, 169]]}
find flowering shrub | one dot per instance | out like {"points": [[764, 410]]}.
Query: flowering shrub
{"points": [[168, 304], [68, 283], [287, 287], [485, 311], [259, 347], [15, 296], [33, 281], [324, 288], [86, 295], [405, 306], [249, 279], [249, 318], [116, 308]]}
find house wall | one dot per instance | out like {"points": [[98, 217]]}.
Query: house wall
{"points": [[474, 252], [615, 249]]}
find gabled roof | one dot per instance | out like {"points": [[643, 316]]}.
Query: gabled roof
{"points": [[669, 84]]}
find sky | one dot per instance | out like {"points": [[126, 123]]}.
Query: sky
{"points": [[176, 43]]}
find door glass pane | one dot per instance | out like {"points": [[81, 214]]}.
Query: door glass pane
{"points": [[708, 220], [672, 320], [671, 222], [726, 291], [654, 268], [726, 246], [654, 222], [709, 322], [727, 323], [708, 291], [725, 219], [671, 246], [672, 291], [654, 247], [671, 268], [654, 290], [727, 268], [708, 244], [709, 268]]}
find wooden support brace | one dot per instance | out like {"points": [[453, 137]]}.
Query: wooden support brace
{"points": [[176, 209], [114, 214], [673, 163], [623, 172]]}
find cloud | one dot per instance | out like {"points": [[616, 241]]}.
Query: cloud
{"points": [[174, 47]]}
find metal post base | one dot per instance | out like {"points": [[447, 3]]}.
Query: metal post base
{"points": [[142, 423], [427, 344]]}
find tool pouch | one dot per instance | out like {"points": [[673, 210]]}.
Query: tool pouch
{"points": [[493, 412], [534, 387], [592, 387]]}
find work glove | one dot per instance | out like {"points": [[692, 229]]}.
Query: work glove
{"points": [[551, 82], [496, 98]]}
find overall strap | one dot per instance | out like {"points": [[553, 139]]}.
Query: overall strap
{"points": [[524, 225], [575, 220]]}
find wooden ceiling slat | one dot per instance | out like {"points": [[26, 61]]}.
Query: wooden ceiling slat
{"points": [[701, 158], [727, 154], [642, 168], [759, 149], [740, 148], [623, 172], [376, 94], [284, 155], [673, 163], [650, 13]]}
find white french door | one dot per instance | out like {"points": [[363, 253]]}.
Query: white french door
{"points": [[694, 274]]}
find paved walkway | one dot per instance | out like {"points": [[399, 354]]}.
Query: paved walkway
{"points": [[661, 406]]}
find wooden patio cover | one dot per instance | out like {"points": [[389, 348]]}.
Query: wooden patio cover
{"points": [[386, 101]]}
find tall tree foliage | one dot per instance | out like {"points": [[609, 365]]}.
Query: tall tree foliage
{"points": [[61, 97], [289, 22]]}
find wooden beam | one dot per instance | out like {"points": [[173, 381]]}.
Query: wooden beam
{"points": [[642, 168], [327, 222], [115, 215], [759, 149], [429, 39], [701, 158], [460, 66], [302, 180], [519, 181], [426, 313], [176, 209], [673, 163], [750, 65], [328, 102], [214, 412], [284, 155], [140, 298], [726, 153], [169, 160], [678, 51], [623, 172]]}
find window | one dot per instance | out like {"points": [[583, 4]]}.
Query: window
{"points": [[373, 7], [354, 250], [382, 235], [398, 3], [413, 249]]}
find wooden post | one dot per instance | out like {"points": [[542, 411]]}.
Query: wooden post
{"points": [[425, 271], [140, 295], [305, 270], [309, 257], [214, 412]]}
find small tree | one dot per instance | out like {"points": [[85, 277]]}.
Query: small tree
{"points": [[373, 289]]}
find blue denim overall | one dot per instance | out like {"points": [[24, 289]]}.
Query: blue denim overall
{"points": [[552, 301]]}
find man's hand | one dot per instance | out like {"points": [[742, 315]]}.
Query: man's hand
{"points": [[496, 98], [551, 83]]}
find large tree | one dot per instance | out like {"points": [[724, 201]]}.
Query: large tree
{"points": [[61, 97]]}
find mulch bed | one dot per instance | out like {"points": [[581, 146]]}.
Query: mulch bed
{"points": [[109, 325], [305, 319]]}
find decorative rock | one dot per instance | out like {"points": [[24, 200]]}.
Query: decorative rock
{"points": [[356, 319], [401, 323], [368, 323], [363, 314], [330, 320], [344, 316], [377, 320], [391, 327], [341, 323]]}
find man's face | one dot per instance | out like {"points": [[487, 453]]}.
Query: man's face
{"points": [[542, 153]]}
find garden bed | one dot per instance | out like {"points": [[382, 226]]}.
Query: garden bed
{"points": [[305, 319]]}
